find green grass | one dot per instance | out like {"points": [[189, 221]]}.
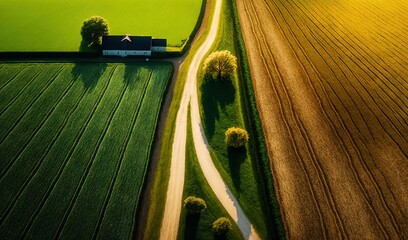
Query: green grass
{"points": [[222, 106], [200, 226], [55, 25], [75, 143]]}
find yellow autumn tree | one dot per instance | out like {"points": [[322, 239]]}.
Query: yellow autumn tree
{"points": [[220, 64]]}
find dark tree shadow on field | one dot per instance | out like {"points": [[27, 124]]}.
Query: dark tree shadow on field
{"points": [[191, 226], [88, 73], [132, 74], [215, 93], [220, 237], [236, 156]]}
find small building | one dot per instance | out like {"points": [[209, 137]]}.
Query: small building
{"points": [[132, 45], [159, 45]]}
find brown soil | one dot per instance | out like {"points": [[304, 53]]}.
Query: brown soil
{"points": [[336, 132]]}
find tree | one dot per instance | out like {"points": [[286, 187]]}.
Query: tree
{"points": [[220, 64], [221, 226], [93, 29], [194, 205], [236, 137]]}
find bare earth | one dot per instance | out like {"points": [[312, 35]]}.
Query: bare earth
{"points": [[171, 217], [340, 165]]}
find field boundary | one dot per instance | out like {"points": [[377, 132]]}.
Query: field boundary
{"points": [[254, 122]]}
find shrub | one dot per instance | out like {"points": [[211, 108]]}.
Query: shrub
{"points": [[93, 29], [236, 137], [221, 226], [220, 64], [194, 205]]}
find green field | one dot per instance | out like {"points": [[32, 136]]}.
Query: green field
{"points": [[55, 25], [75, 140]]}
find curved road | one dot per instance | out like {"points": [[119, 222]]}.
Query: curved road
{"points": [[171, 218]]}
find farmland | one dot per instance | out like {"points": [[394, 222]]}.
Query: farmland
{"points": [[75, 140], [55, 25], [331, 84]]}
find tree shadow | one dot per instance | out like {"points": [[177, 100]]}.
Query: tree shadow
{"points": [[215, 94], [191, 226], [220, 237], [236, 156], [132, 74], [88, 73]]}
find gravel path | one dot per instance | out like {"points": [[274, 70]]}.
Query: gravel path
{"points": [[173, 203]]}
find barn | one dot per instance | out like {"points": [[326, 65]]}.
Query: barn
{"points": [[132, 45]]}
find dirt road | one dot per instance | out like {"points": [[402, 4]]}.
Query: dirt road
{"points": [[339, 159], [177, 169]]}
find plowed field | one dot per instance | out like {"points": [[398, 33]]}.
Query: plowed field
{"points": [[331, 83]]}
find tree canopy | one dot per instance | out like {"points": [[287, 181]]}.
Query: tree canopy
{"points": [[236, 137], [93, 29], [194, 205], [220, 64], [222, 225]]}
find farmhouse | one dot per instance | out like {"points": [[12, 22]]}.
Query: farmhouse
{"points": [[132, 45]]}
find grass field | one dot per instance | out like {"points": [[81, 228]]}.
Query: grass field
{"points": [[55, 25], [75, 141], [331, 84], [222, 106]]}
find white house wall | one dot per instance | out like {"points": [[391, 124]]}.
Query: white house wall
{"points": [[124, 53], [158, 49]]}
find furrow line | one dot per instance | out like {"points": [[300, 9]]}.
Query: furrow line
{"points": [[360, 44], [356, 176], [24, 111], [375, 9], [88, 167], [17, 73], [360, 158], [338, 79], [322, 59], [346, 77], [381, 109], [283, 115], [22, 90], [68, 156], [348, 36], [381, 70], [365, 101], [36, 130], [370, 18], [311, 151], [37, 166], [122, 153], [354, 45]]}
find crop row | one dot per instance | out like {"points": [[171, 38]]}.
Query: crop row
{"points": [[353, 57], [368, 72], [71, 144]]}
